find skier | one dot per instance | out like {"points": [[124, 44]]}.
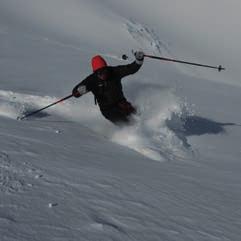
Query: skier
{"points": [[105, 84]]}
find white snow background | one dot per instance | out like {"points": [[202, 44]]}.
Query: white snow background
{"points": [[68, 174]]}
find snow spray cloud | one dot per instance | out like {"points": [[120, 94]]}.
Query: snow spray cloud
{"points": [[149, 135], [10, 106], [13, 105]]}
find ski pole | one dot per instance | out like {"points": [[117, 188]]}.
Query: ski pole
{"points": [[219, 68], [37, 111]]}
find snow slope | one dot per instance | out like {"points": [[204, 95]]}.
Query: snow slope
{"points": [[68, 174]]}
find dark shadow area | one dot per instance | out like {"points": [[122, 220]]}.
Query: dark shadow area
{"points": [[39, 115], [184, 126]]}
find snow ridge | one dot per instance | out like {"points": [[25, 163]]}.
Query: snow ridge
{"points": [[146, 38]]}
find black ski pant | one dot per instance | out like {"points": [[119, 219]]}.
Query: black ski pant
{"points": [[120, 113]]}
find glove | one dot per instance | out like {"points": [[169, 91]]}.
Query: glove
{"points": [[139, 55], [79, 91], [76, 93]]}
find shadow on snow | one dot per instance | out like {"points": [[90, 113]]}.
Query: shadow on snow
{"points": [[185, 126], [38, 115]]}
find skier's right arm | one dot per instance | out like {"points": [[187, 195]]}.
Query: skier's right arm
{"points": [[81, 88]]}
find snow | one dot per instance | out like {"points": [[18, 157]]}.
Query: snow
{"points": [[68, 174]]}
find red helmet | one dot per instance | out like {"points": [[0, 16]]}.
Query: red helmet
{"points": [[98, 63]]}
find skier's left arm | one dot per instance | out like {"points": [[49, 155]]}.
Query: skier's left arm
{"points": [[124, 70]]}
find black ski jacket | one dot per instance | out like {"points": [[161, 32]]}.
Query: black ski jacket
{"points": [[108, 92]]}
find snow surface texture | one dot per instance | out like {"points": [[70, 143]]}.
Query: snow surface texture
{"points": [[68, 174]]}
